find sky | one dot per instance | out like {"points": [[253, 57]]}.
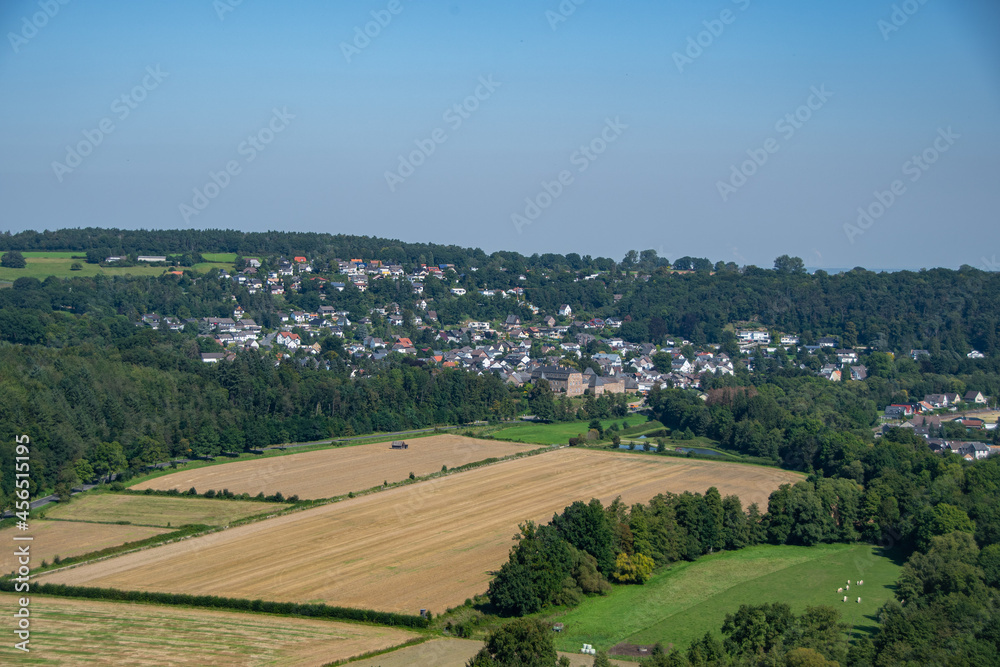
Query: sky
{"points": [[848, 133]]}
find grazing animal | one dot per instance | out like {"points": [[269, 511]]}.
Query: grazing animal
{"points": [[840, 590], [845, 598], [861, 583], [859, 600], [848, 587]]}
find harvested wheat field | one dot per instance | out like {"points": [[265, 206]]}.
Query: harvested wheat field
{"points": [[427, 545], [332, 472], [157, 510], [91, 632], [70, 538]]}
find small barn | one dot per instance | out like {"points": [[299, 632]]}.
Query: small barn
{"points": [[399, 444]]}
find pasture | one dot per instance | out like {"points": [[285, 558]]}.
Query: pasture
{"points": [[326, 473], [41, 265], [678, 605], [557, 433], [90, 632], [156, 510], [426, 545], [69, 538]]}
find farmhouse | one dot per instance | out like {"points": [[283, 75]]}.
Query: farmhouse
{"points": [[399, 444], [151, 258]]}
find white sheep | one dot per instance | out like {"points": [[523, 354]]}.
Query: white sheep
{"points": [[861, 583], [848, 587], [845, 598], [859, 600], [840, 590]]}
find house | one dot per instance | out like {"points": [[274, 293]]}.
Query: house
{"points": [[753, 336], [789, 340], [859, 373], [213, 357], [458, 291], [898, 411], [288, 339], [549, 321], [952, 399], [916, 354], [565, 311], [151, 258], [976, 354], [936, 400], [846, 356], [512, 321], [974, 397], [827, 341]]}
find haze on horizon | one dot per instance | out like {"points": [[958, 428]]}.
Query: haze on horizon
{"points": [[736, 130]]}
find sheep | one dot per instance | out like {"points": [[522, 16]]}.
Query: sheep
{"points": [[840, 590], [848, 587], [859, 600], [845, 598], [861, 583]]}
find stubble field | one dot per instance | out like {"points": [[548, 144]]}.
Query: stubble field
{"points": [[428, 545], [157, 510], [70, 538], [91, 632], [332, 472]]}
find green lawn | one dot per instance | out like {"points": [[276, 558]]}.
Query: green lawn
{"points": [[41, 265], [223, 257], [680, 604], [552, 434]]}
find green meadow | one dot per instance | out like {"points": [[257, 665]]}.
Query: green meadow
{"points": [[679, 604], [41, 265]]}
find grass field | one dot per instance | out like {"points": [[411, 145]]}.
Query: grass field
{"points": [[156, 510], [326, 473], [557, 433], [68, 538], [90, 632], [41, 265], [426, 545], [680, 604]]}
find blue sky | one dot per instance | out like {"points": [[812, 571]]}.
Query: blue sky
{"points": [[667, 123]]}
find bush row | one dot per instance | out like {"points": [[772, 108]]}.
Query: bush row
{"points": [[238, 604], [224, 494]]}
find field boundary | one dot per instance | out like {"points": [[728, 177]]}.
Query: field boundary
{"points": [[416, 641], [303, 610]]}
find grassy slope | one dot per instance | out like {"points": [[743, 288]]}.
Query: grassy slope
{"points": [[41, 265], [680, 604]]}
